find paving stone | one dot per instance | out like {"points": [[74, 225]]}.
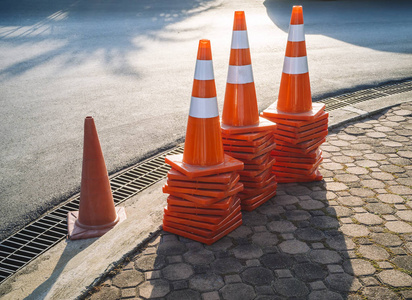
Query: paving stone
{"points": [[357, 170], [174, 259], [384, 265], [346, 178], [380, 293], [277, 261], [178, 271], [128, 293], [154, 288], [281, 226], [373, 184], [352, 130], [379, 208], [257, 276], [323, 195], [370, 281], [358, 267], [343, 282], [386, 239], [376, 135], [391, 198], [336, 186], [391, 169], [373, 252], [236, 291], [403, 262], [340, 242], [399, 227], [366, 163], [294, 247], [265, 290], [351, 201], [318, 246], [247, 251], [310, 234], [107, 293], [395, 278], [150, 262], [400, 190], [283, 273], [354, 230], [206, 282], [362, 192], [265, 239], [226, 266], [200, 257], [407, 294], [368, 219], [299, 190], [317, 285], [211, 296], [270, 209], [287, 236], [242, 231], [342, 159], [221, 245], [184, 295], [129, 278], [325, 257], [290, 287], [253, 263], [232, 278], [389, 218], [382, 176], [170, 248], [324, 295], [286, 200], [297, 215], [324, 222], [339, 211], [335, 269]]}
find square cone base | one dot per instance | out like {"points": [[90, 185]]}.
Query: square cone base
{"points": [[255, 153], [76, 233], [273, 112], [298, 138], [263, 125], [202, 204]]}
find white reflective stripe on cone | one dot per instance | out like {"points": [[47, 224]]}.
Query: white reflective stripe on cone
{"points": [[240, 74], [295, 65], [240, 40], [204, 70], [296, 33], [203, 108]]}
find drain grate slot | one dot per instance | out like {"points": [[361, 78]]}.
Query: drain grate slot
{"points": [[19, 249]]}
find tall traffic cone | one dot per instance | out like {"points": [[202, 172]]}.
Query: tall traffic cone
{"points": [[301, 124], [203, 182], [246, 136], [295, 99], [97, 213]]}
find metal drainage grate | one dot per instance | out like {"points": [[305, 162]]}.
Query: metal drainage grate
{"points": [[333, 103], [22, 247]]}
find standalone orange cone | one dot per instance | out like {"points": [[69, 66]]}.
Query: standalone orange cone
{"points": [[97, 213], [203, 182], [247, 137], [295, 100], [301, 125]]}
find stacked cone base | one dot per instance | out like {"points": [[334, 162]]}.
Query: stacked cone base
{"points": [[203, 208], [298, 138], [253, 145]]}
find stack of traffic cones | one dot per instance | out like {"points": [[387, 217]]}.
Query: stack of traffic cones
{"points": [[246, 136], [203, 182], [97, 213], [301, 125]]}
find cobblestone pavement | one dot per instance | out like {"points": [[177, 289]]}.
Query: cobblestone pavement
{"points": [[346, 237]]}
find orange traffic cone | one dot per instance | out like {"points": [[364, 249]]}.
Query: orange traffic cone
{"points": [[295, 100], [97, 213], [203, 153], [246, 136], [203, 182]]}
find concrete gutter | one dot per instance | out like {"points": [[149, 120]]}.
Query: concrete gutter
{"points": [[70, 268]]}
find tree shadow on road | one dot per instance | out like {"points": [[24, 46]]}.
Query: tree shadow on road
{"points": [[77, 30]]}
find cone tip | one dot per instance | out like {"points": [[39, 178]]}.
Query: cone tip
{"points": [[239, 22], [297, 15], [205, 50]]}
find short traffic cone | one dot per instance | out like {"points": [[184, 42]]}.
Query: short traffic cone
{"points": [[301, 125], [203, 182], [97, 213], [246, 136]]}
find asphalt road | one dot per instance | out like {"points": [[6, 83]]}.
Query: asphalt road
{"points": [[130, 65]]}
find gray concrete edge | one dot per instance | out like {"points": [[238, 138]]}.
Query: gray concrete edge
{"points": [[71, 268]]}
